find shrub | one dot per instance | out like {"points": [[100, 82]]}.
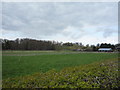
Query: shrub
{"points": [[96, 75]]}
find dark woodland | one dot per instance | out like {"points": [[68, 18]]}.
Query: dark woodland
{"points": [[32, 44]]}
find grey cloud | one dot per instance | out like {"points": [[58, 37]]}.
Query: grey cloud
{"points": [[40, 19], [107, 31]]}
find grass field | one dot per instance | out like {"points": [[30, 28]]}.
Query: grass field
{"points": [[20, 63]]}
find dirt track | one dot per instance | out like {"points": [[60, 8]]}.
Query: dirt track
{"points": [[36, 54]]}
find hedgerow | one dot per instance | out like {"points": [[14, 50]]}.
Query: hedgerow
{"points": [[96, 75]]}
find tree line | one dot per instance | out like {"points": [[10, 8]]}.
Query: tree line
{"points": [[33, 44]]}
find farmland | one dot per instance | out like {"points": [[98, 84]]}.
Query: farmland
{"points": [[63, 69], [20, 63]]}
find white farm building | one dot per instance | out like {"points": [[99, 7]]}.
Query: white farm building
{"points": [[105, 49]]}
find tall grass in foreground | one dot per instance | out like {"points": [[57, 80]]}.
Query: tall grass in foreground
{"points": [[102, 74]]}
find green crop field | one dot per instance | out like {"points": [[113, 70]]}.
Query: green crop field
{"points": [[20, 63], [59, 69]]}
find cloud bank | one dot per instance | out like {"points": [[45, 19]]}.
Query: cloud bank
{"points": [[85, 22]]}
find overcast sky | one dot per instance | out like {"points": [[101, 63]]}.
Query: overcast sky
{"points": [[86, 22]]}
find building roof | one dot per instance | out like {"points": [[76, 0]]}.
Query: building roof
{"points": [[106, 49]]}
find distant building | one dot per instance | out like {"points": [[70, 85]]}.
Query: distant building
{"points": [[105, 49], [78, 49]]}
